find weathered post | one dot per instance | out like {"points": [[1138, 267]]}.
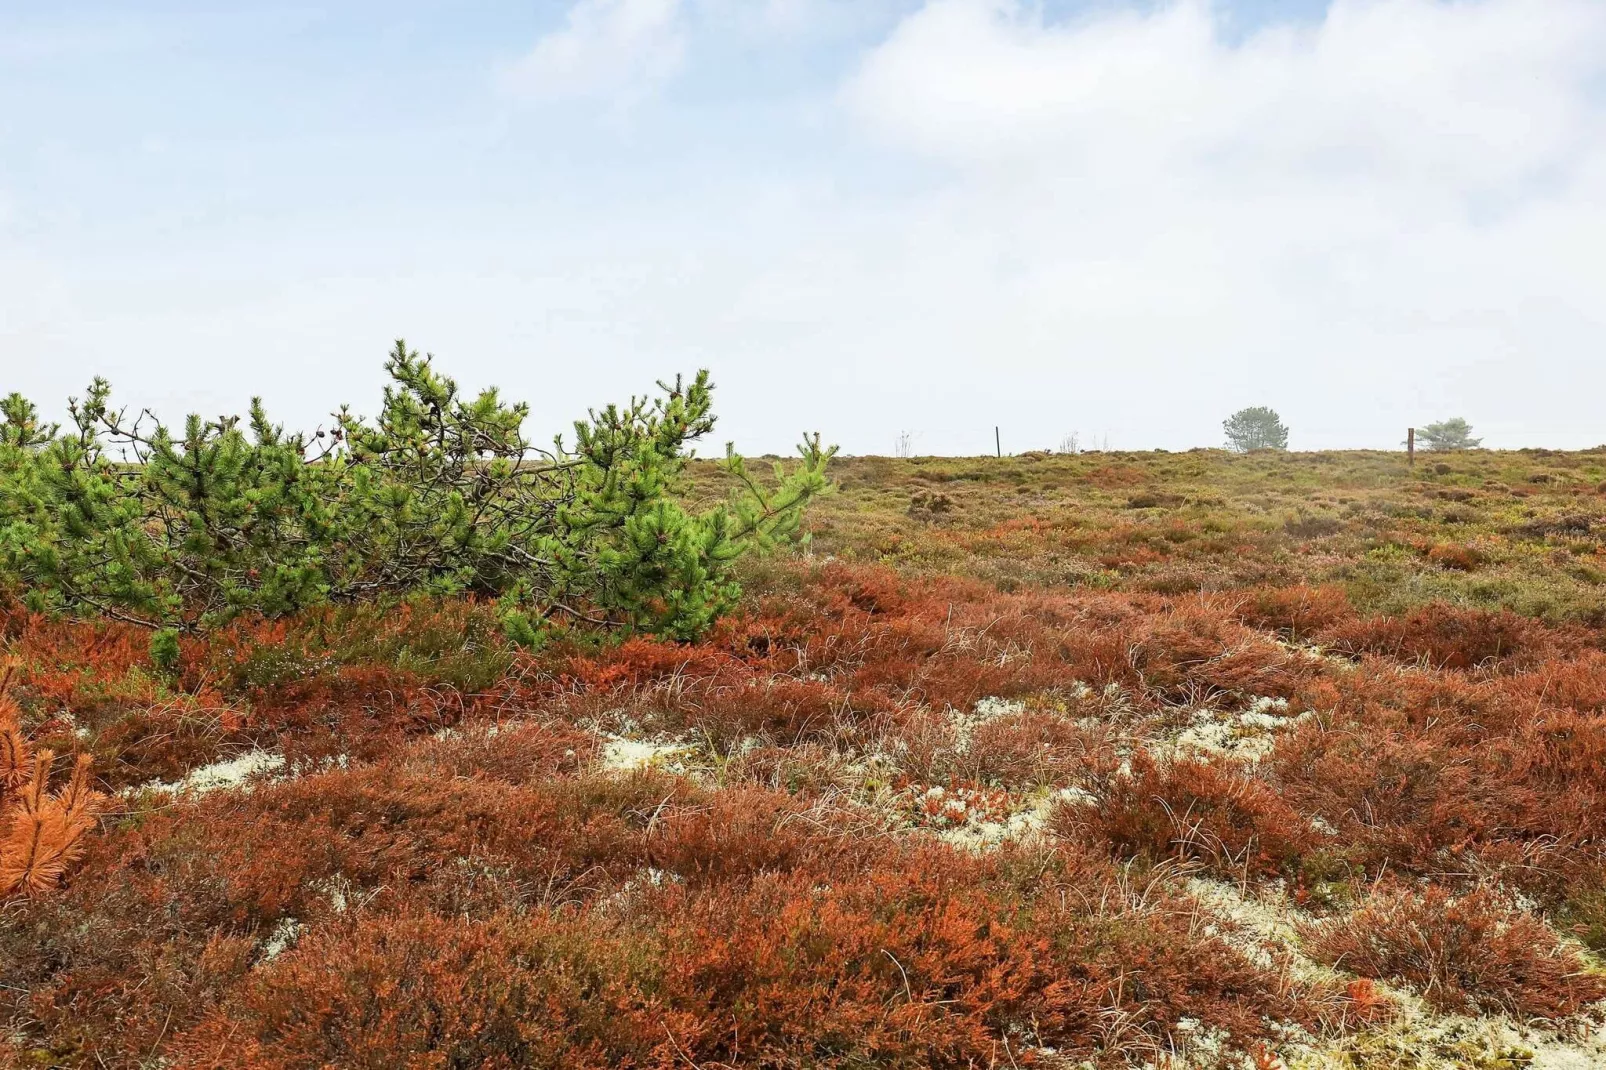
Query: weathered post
{"points": [[998, 441], [1410, 446]]}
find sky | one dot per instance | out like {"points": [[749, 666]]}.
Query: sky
{"points": [[1117, 219]]}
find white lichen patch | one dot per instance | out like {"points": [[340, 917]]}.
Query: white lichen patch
{"points": [[622, 754], [964, 723], [993, 708], [1264, 927], [325, 764], [219, 776], [1419, 1039], [281, 939], [1022, 819], [1244, 735]]}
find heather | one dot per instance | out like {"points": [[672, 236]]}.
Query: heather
{"points": [[1123, 760]]}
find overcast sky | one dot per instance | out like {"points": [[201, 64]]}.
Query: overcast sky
{"points": [[865, 216]]}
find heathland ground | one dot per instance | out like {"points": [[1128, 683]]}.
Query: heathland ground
{"points": [[1170, 759]]}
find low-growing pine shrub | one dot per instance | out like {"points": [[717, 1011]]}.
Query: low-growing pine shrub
{"points": [[41, 831], [440, 493]]}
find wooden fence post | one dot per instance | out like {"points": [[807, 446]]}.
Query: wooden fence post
{"points": [[1410, 446]]}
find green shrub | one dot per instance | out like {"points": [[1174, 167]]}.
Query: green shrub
{"points": [[439, 494]]}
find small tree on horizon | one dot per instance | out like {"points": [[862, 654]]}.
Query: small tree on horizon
{"points": [[1255, 428], [1451, 434]]}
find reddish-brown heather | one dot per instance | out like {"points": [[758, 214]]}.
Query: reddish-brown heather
{"points": [[443, 872], [1216, 813], [1470, 952]]}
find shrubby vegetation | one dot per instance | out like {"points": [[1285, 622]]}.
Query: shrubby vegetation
{"points": [[1101, 759], [776, 889], [1515, 530], [440, 493]]}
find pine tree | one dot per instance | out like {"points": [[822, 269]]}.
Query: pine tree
{"points": [[1451, 434], [41, 833], [1255, 428], [439, 493]]}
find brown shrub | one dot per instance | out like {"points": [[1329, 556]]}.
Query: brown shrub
{"points": [[1475, 952], [1198, 650], [928, 959], [1298, 611], [1446, 637], [807, 769], [1030, 748], [41, 833], [781, 708], [1313, 525], [420, 991], [1455, 556], [1155, 500], [745, 832], [1217, 813]]}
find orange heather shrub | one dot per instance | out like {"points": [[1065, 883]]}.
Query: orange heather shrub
{"points": [[1455, 556], [1577, 683], [1446, 637], [84, 665], [1430, 773], [1190, 648], [1476, 952], [1218, 813], [1033, 747], [1298, 611], [925, 959]]}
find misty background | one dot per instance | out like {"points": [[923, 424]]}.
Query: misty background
{"points": [[867, 217]]}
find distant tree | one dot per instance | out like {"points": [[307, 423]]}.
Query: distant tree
{"points": [[1452, 434], [1255, 428]]}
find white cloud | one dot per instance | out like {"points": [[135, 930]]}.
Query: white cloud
{"points": [[614, 49], [1395, 213], [1121, 222], [1474, 94]]}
